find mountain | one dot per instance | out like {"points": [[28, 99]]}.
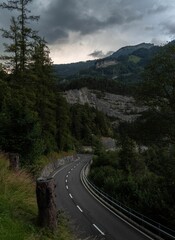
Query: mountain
{"points": [[66, 70], [130, 49], [125, 65], [118, 107]]}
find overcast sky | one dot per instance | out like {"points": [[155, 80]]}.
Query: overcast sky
{"points": [[86, 29]]}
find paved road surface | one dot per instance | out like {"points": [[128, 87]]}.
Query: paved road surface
{"points": [[88, 216]]}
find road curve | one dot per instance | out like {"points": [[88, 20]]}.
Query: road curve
{"points": [[89, 218]]}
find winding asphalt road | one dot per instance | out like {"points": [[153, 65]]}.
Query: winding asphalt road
{"points": [[89, 218]]}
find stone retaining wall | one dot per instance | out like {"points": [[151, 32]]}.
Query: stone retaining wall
{"points": [[51, 167]]}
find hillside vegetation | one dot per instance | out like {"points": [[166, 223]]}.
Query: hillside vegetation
{"points": [[18, 208], [35, 122], [124, 66], [141, 174]]}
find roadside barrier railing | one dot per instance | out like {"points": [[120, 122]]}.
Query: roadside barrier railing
{"points": [[145, 224]]}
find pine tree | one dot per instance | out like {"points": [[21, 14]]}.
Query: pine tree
{"points": [[41, 61], [25, 34], [13, 48]]}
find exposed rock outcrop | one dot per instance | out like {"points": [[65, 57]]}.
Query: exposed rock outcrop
{"points": [[122, 108]]}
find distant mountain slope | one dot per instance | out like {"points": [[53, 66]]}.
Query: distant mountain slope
{"points": [[130, 49], [65, 70], [124, 66]]}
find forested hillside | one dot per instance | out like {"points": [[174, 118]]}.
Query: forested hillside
{"points": [[124, 66], [34, 118], [141, 174]]}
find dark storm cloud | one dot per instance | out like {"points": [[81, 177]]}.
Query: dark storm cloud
{"points": [[70, 16], [158, 9], [71, 21], [169, 27], [84, 17], [100, 54]]}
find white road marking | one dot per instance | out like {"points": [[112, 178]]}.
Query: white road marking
{"points": [[67, 187], [67, 176], [102, 233], [66, 181], [69, 172], [59, 170], [79, 208], [70, 195]]}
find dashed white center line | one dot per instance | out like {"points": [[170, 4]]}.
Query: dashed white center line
{"points": [[67, 187], [67, 176], [79, 208], [102, 233], [70, 195], [69, 172], [66, 181]]}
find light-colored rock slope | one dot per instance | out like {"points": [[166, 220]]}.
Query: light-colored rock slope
{"points": [[122, 108]]}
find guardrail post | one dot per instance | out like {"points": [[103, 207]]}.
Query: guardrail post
{"points": [[46, 200], [14, 161]]}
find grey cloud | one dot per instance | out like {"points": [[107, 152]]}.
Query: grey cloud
{"points": [[169, 27], [97, 54], [60, 17], [100, 54], [158, 9], [84, 17], [149, 28], [133, 18]]}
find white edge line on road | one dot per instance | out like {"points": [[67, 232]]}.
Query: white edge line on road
{"points": [[146, 235], [79, 208], [67, 187], [60, 169], [70, 195], [102, 233]]}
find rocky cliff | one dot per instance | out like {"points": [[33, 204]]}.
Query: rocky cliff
{"points": [[121, 108]]}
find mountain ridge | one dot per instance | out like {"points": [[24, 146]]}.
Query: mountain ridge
{"points": [[77, 69]]}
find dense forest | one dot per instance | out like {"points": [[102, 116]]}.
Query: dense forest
{"points": [[34, 118], [141, 173]]}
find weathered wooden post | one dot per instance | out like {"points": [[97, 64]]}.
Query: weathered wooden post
{"points": [[14, 161], [46, 200]]}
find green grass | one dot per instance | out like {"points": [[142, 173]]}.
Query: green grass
{"points": [[134, 59], [18, 208]]}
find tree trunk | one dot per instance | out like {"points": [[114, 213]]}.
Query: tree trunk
{"points": [[14, 161], [46, 200]]}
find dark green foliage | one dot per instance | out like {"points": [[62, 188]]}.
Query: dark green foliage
{"points": [[139, 180], [150, 128], [97, 83], [159, 86], [129, 159], [130, 62], [63, 117], [20, 128], [144, 177], [65, 70], [87, 122]]}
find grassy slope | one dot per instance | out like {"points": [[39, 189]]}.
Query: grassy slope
{"points": [[18, 208]]}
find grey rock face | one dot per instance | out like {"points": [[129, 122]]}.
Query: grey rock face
{"points": [[122, 108]]}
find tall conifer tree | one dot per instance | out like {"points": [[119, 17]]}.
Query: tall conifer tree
{"points": [[24, 33]]}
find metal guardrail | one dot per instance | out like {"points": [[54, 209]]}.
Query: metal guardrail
{"points": [[151, 227]]}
